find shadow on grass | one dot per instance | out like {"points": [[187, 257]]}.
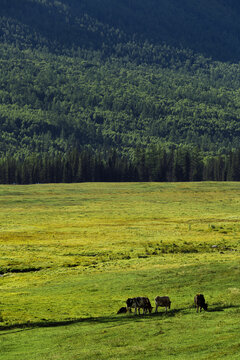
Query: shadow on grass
{"points": [[169, 313], [222, 307], [120, 319], [89, 320]]}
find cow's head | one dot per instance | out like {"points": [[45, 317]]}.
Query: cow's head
{"points": [[205, 306], [122, 310], [129, 303], [150, 308]]}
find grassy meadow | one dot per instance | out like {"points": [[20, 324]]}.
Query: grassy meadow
{"points": [[71, 254]]}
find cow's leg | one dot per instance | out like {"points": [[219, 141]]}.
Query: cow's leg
{"points": [[135, 310], [156, 308], [165, 309]]}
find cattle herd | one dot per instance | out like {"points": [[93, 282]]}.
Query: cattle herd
{"points": [[144, 303]]}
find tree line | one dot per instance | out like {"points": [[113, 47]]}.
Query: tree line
{"points": [[146, 164]]}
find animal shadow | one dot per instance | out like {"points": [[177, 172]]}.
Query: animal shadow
{"points": [[169, 313], [218, 307]]}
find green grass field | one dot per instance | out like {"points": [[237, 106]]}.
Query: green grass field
{"points": [[71, 254]]}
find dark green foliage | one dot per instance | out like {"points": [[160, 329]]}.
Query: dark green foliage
{"points": [[152, 164], [54, 104], [207, 27], [97, 75]]}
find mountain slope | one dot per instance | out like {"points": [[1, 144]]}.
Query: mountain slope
{"points": [[208, 27], [122, 74]]}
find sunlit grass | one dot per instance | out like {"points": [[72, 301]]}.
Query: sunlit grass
{"points": [[84, 223], [71, 252]]}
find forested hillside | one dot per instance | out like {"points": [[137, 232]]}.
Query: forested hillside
{"points": [[207, 27], [96, 75]]}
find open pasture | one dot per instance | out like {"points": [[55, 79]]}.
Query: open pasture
{"points": [[71, 254]]}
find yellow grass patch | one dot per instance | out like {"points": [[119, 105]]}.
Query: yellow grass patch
{"points": [[50, 234]]}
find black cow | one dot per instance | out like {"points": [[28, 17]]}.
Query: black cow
{"points": [[139, 303], [122, 310], [199, 302]]}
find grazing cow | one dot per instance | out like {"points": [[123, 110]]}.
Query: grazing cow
{"points": [[199, 302], [122, 310], [139, 303], [162, 301]]}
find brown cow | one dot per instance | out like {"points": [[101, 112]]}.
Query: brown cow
{"points": [[199, 302], [162, 301]]}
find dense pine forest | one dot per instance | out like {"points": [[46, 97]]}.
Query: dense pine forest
{"points": [[152, 164], [119, 90]]}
